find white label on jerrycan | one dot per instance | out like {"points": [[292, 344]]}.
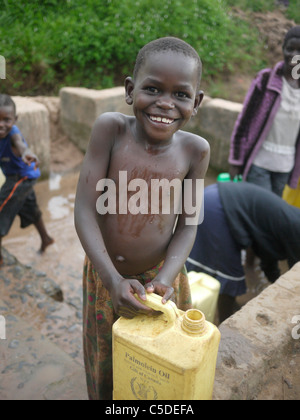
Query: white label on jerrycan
{"points": [[147, 379]]}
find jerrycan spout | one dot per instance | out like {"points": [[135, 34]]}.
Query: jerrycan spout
{"points": [[193, 322]]}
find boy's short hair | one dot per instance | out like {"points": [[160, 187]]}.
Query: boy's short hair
{"points": [[6, 100], [167, 44], [294, 32]]}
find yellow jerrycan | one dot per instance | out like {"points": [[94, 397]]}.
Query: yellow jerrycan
{"points": [[205, 293], [292, 196], [171, 356]]}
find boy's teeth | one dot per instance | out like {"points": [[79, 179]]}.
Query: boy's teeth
{"points": [[159, 119]]}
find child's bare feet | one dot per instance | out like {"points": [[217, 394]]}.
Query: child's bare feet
{"points": [[45, 243]]}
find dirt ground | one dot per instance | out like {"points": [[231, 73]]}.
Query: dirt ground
{"points": [[271, 27]]}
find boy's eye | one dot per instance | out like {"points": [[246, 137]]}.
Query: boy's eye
{"points": [[182, 95], [152, 89]]}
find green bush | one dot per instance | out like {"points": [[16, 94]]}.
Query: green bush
{"points": [[293, 11], [51, 43]]}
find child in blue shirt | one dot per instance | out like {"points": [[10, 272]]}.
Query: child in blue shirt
{"points": [[20, 167]]}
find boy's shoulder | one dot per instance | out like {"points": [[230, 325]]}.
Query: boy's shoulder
{"points": [[107, 128], [191, 139], [112, 119]]}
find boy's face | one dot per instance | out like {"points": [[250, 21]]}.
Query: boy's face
{"points": [[7, 120], [164, 95], [291, 48]]}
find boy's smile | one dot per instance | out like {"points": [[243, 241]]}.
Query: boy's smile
{"points": [[164, 95], [7, 120]]}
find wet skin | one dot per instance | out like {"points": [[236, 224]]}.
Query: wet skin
{"points": [[148, 146]]}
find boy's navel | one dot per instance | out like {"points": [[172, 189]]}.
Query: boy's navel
{"points": [[119, 258]]}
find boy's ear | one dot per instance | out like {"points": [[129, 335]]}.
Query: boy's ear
{"points": [[129, 86], [16, 117], [198, 100]]}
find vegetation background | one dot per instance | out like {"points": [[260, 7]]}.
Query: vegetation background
{"points": [[48, 44]]}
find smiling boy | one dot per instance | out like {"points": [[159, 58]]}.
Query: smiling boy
{"points": [[134, 253]]}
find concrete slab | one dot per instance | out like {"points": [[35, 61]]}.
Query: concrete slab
{"points": [[257, 340], [80, 108], [33, 121]]}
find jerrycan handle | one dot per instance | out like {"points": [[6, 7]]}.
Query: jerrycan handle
{"points": [[154, 301]]}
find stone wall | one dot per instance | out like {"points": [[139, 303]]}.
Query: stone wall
{"points": [[33, 121], [257, 341], [80, 107], [215, 122]]}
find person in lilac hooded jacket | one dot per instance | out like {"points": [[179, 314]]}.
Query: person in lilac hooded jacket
{"points": [[265, 143]]}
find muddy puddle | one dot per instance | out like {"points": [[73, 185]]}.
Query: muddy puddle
{"points": [[63, 260]]}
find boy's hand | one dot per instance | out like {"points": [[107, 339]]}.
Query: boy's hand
{"points": [[161, 289], [124, 302], [28, 157]]}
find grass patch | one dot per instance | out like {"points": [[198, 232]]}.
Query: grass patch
{"points": [[53, 43]]}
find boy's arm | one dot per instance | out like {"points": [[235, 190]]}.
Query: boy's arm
{"points": [[21, 150], [184, 236], [94, 168]]}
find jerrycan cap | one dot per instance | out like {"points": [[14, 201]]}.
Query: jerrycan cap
{"points": [[224, 177]]}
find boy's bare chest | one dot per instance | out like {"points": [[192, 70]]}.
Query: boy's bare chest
{"points": [[147, 164]]}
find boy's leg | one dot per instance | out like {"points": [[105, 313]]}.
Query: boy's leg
{"points": [[279, 181], [260, 177], [31, 214], [46, 239], [12, 195]]}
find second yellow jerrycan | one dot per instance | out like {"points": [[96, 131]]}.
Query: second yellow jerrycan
{"points": [[171, 356], [292, 196], [205, 293]]}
